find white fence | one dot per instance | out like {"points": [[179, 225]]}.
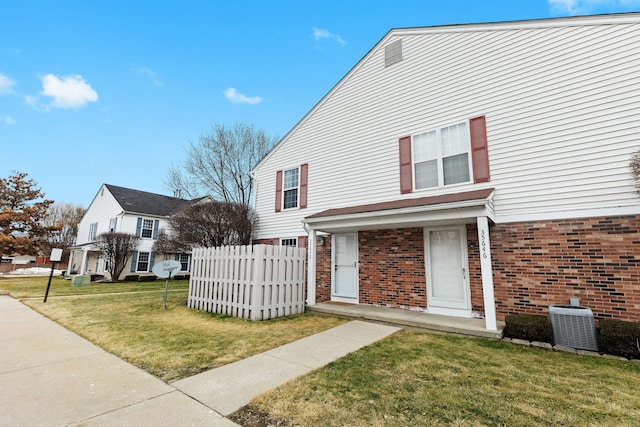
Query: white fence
{"points": [[253, 282]]}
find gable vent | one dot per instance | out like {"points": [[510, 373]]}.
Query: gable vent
{"points": [[393, 53]]}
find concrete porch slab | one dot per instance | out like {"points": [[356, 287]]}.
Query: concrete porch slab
{"points": [[414, 319]]}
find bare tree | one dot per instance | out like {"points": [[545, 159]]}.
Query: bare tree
{"points": [[61, 221], [167, 244], [210, 224], [635, 169], [219, 164], [116, 249]]}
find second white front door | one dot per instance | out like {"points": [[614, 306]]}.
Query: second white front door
{"points": [[345, 267], [447, 271]]}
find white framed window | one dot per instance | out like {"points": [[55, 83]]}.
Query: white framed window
{"points": [[147, 228], [143, 261], [442, 156], [289, 242], [113, 222], [290, 187], [93, 231], [184, 262]]}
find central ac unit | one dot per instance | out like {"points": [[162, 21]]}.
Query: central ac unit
{"points": [[573, 326]]}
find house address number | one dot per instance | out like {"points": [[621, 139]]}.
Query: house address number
{"points": [[483, 244]]}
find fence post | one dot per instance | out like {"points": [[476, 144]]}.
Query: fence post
{"points": [[257, 283]]}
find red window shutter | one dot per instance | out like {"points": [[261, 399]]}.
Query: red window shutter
{"points": [[406, 180], [278, 191], [302, 241], [304, 181], [479, 149]]}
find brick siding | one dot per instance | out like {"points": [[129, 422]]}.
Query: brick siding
{"points": [[392, 271], [536, 264]]}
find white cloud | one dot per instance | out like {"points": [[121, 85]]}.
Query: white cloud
{"points": [[321, 33], [7, 120], [238, 98], [6, 84], [151, 75], [67, 92], [585, 7]]}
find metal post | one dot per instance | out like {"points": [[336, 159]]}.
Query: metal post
{"points": [[46, 294]]}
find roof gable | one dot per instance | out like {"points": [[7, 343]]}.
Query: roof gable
{"points": [[604, 19]]}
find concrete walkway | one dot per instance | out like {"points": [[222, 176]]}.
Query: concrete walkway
{"points": [[50, 376]]}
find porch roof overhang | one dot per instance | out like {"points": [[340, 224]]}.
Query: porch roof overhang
{"points": [[446, 209]]}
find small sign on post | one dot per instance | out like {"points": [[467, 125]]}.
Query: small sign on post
{"points": [[56, 256], [164, 270]]}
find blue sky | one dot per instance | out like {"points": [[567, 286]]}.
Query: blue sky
{"points": [[113, 92]]}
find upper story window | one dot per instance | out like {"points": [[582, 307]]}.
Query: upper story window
{"points": [[147, 228], [113, 222], [442, 157], [93, 230], [290, 187]]}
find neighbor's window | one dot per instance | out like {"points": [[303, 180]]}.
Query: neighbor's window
{"points": [[147, 228], [290, 188], [143, 261], [289, 242], [441, 156], [184, 262], [93, 230]]}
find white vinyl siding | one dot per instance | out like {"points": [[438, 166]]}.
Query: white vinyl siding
{"points": [[561, 102]]}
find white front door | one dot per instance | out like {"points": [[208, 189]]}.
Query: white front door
{"points": [[447, 271], [345, 267]]}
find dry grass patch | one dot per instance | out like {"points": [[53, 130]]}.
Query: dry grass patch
{"points": [[420, 379], [35, 287], [177, 342]]}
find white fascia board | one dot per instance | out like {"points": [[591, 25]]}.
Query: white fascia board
{"points": [[419, 216], [576, 21]]}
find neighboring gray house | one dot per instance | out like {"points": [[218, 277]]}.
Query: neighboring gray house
{"points": [[125, 210]]}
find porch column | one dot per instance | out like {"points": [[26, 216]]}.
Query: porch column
{"points": [[487, 274], [311, 267], [84, 260], [69, 263]]}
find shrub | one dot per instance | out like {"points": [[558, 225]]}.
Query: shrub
{"points": [[131, 278], [532, 327], [181, 276], [147, 278], [620, 338]]}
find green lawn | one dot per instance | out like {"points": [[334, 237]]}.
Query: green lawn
{"points": [[422, 379]]}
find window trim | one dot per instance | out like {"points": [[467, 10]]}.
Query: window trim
{"points": [[285, 189], [289, 240], [148, 262], [93, 231], [143, 228], [439, 158]]}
